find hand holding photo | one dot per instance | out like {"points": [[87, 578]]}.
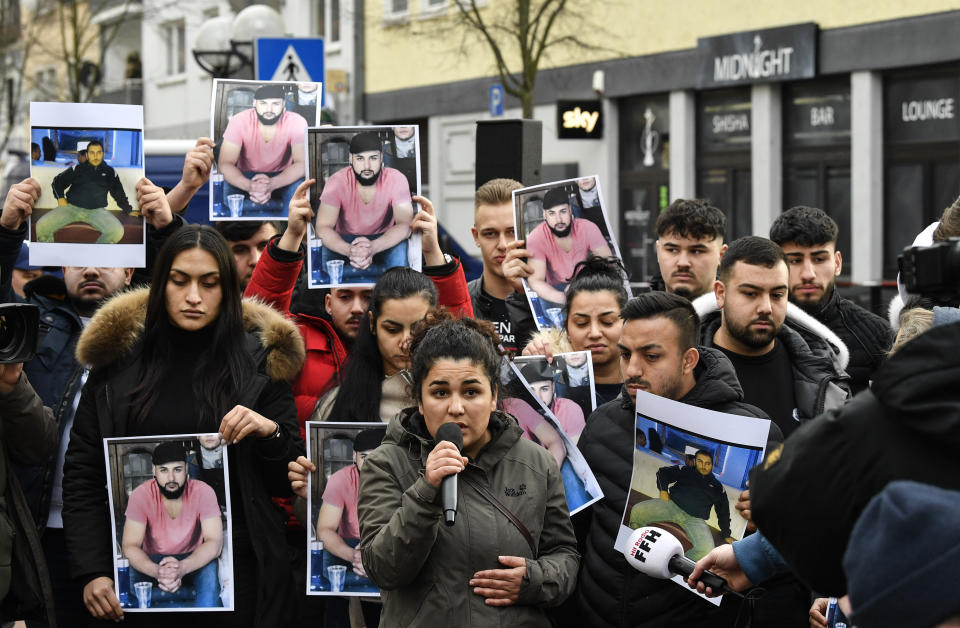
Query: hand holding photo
{"points": [[169, 496], [88, 160], [690, 467], [338, 451], [365, 180], [563, 223], [259, 128]]}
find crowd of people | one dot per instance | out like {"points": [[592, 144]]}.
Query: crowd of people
{"points": [[218, 336]]}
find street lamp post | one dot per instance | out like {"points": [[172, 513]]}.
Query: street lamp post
{"points": [[224, 45]]}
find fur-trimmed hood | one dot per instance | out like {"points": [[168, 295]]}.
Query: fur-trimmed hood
{"points": [[118, 325], [798, 319]]}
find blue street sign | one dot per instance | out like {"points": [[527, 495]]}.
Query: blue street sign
{"points": [[496, 100], [295, 59]]}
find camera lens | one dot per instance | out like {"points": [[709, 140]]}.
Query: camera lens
{"points": [[11, 335]]}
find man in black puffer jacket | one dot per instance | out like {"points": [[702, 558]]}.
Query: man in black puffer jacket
{"points": [[658, 355], [808, 237]]}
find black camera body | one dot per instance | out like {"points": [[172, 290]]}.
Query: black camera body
{"points": [[19, 331], [933, 271]]}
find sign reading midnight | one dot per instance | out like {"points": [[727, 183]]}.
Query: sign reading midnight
{"points": [[764, 56]]}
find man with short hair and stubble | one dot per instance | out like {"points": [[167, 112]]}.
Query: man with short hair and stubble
{"points": [[659, 354], [247, 240], [495, 296], [689, 247], [808, 237], [791, 375], [66, 305]]}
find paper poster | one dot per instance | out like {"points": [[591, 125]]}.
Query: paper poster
{"points": [[170, 501]]}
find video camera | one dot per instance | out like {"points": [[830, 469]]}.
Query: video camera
{"points": [[933, 271], [19, 330]]}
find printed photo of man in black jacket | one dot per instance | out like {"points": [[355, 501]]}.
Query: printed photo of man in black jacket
{"points": [[81, 192]]}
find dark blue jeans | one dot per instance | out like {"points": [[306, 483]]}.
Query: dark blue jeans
{"points": [[200, 589]]}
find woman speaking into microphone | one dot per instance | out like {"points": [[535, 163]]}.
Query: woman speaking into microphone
{"points": [[511, 551]]}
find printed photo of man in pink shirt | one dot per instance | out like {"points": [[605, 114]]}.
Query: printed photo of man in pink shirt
{"points": [[363, 221], [262, 156], [173, 534], [558, 243]]}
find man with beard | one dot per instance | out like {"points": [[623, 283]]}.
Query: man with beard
{"points": [[262, 155], [558, 243], [173, 533], [689, 247], [658, 355], [789, 375], [365, 213], [66, 305], [808, 237], [81, 192]]}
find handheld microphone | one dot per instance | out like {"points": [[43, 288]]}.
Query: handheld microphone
{"points": [[448, 486], [657, 553]]}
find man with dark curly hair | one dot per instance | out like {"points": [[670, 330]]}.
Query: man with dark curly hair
{"points": [[808, 237]]}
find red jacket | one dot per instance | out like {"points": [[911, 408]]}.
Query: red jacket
{"points": [[273, 281]]}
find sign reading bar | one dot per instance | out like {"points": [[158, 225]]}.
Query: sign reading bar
{"points": [[817, 113], [774, 54], [923, 109], [579, 119]]}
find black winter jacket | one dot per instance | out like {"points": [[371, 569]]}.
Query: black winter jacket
{"points": [[817, 355], [111, 345], [808, 496], [867, 336], [517, 309], [610, 592]]}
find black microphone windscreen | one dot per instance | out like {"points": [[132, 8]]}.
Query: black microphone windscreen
{"points": [[450, 432]]}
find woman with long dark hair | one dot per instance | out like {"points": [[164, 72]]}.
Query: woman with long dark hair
{"points": [[591, 309], [375, 385], [188, 357]]}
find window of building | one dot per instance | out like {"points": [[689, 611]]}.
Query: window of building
{"points": [[432, 7], [174, 35], [395, 10], [333, 36], [45, 83]]}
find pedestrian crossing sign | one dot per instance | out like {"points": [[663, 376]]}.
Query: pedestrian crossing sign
{"points": [[294, 59]]}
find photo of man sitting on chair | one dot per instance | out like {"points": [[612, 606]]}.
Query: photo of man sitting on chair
{"points": [[88, 187], [173, 534]]}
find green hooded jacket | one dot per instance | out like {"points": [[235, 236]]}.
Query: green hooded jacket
{"points": [[423, 567]]}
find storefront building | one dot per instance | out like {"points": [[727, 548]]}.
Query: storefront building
{"points": [[859, 120]]}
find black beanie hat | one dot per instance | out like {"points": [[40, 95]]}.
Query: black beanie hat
{"points": [[556, 196], [364, 141], [169, 451], [269, 90]]}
